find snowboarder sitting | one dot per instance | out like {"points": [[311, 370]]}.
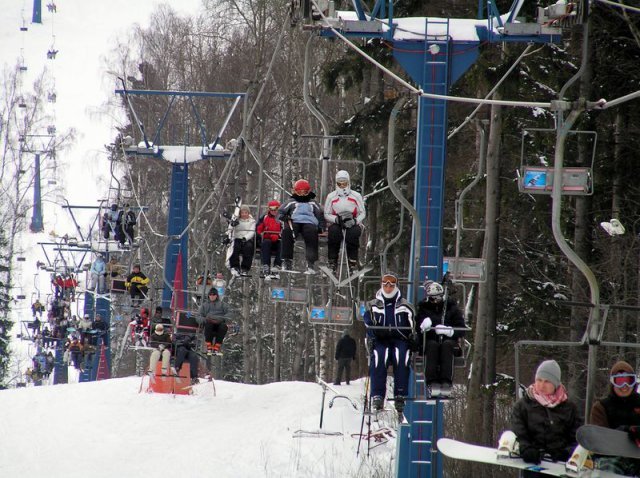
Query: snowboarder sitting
{"points": [[389, 320], [619, 410], [345, 354], [213, 315], [161, 342], [344, 212], [243, 232], [301, 215], [437, 339], [544, 420], [136, 283], [269, 229]]}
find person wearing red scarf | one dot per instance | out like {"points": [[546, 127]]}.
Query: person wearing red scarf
{"points": [[545, 420]]}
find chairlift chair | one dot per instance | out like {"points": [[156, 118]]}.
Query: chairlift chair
{"points": [[538, 179]]}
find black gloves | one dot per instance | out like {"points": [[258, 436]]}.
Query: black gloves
{"points": [[226, 241], [530, 455], [234, 223], [560, 455], [348, 223]]}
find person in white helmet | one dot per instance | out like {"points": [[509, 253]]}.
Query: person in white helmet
{"points": [[437, 339], [344, 212]]}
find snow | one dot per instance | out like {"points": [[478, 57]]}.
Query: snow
{"points": [[107, 429]]}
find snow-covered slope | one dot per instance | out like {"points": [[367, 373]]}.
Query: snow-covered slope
{"points": [[107, 429]]}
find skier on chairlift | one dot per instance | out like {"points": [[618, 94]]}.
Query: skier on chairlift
{"points": [[389, 320], [344, 212], [110, 223], [243, 243], [126, 223], [301, 215], [437, 339], [270, 229]]}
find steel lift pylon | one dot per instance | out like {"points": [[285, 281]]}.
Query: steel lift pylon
{"points": [[435, 58], [180, 156]]}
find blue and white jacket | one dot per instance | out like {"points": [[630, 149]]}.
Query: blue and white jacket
{"points": [[391, 312]]}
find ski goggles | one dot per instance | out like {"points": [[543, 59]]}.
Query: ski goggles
{"points": [[620, 380], [273, 208], [389, 281]]}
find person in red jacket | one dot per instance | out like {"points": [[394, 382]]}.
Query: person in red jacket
{"points": [[269, 229]]}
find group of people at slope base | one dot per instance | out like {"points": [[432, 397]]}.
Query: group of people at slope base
{"points": [[119, 223], [341, 220], [545, 419], [212, 317], [394, 331]]}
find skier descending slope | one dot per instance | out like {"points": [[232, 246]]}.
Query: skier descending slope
{"points": [[389, 321], [545, 420], [344, 212]]}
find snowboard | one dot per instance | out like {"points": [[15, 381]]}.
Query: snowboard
{"points": [[607, 441], [465, 451]]}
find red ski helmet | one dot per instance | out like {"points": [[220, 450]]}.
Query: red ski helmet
{"points": [[302, 186], [274, 203]]}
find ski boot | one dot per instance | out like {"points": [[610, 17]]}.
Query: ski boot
{"points": [[354, 266], [399, 404], [311, 269], [265, 272], [287, 264], [445, 389], [235, 272], [244, 273], [377, 403]]}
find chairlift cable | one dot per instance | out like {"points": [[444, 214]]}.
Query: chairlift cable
{"points": [[419, 91]]}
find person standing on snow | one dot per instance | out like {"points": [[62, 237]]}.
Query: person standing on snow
{"points": [[544, 420], [389, 320], [243, 236], [301, 215], [270, 229], [437, 339], [344, 212], [345, 354]]}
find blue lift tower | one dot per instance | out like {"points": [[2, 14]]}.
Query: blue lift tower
{"points": [[435, 53], [180, 156]]}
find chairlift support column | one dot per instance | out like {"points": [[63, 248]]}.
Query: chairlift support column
{"points": [[434, 62], [176, 255]]}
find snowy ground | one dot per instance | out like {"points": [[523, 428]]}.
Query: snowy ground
{"points": [[108, 429]]}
